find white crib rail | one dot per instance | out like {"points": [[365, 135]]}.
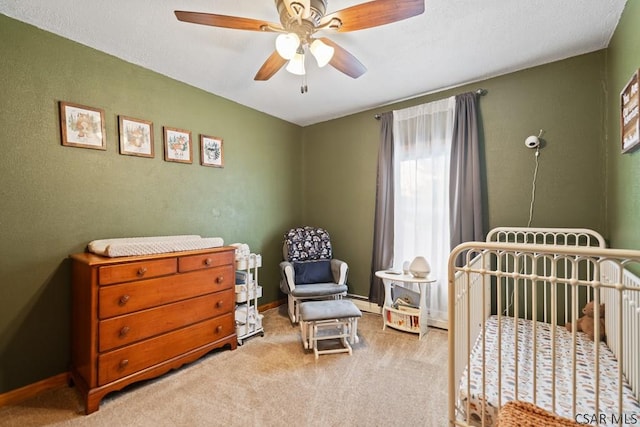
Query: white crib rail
{"points": [[547, 236], [575, 237], [549, 266], [470, 288], [622, 322]]}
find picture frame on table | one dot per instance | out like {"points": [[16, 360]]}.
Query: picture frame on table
{"points": [[82, 126], [177, 145], [211, 151], [136, 137]]}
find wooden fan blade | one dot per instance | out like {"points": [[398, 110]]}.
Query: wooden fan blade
{"points": [[270, 67], [225, 21], [345, 62], [375, 13]]}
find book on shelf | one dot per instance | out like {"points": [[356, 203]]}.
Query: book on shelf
{"points": [[408, 309], [404, 320], [405, 295], [405, 304]]}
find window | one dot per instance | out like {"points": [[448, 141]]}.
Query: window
{"points": [[422, 157]]}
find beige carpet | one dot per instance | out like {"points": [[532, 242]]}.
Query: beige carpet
{"points": [[391, 379]]}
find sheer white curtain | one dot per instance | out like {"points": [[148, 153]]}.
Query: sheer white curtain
{"points": [[422, 156]]}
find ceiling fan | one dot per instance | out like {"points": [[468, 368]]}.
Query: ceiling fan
{"points": [[299, 22]]}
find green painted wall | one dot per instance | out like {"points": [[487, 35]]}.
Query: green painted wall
{"points": [[623, 170], [564, 98], [55, 199]]}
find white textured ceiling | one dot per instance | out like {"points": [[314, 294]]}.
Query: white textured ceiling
{"points": [[452, 43]]}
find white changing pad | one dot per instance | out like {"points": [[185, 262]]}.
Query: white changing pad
{"points": [[130, 246]]}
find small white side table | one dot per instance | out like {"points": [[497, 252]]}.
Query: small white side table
{"points": [[405, 319]]}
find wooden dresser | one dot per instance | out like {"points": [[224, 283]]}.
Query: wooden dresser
{"points": [[134, 318]]}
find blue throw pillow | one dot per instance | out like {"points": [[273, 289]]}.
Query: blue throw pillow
{"points": [[312, 272]]}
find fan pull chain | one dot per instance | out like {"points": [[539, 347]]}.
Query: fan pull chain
{"points": [[303, 88]]}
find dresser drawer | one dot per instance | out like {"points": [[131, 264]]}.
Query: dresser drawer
{"points": [[133, 296], [127, 272], [198, 262], [133, 358], [127, 329]]}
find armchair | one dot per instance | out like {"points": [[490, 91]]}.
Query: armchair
{"points": [[309, 271]]}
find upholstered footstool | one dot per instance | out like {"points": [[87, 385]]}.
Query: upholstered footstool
{"points": [[335, 319]]}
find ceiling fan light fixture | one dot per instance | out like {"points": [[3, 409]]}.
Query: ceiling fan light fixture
{"points": [[296, 64], [287, 44], [322, 52], [300, 20]]}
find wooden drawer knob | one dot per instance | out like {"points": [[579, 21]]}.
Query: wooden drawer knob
{"points": [[124, 331], [218, 329], [141, 271], [208, 261], [219, 304], [123, 299], [219, 279], [123, 363]]}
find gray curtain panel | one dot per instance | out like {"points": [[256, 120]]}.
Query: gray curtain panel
{"points": [[382, 256], [465, 195]]}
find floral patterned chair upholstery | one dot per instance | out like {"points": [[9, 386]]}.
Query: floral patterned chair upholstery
{"points": [[309, 271]]}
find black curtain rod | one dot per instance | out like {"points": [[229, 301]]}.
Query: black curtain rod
{"points": [[479, 92]]}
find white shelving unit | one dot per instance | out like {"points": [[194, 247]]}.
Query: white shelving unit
{"points": [[408, 319], [248, 319]]}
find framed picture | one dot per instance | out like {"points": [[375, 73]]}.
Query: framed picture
{"points": [[136, 137], [177, 145], [82, 126], [211, 153], [629, 118]]}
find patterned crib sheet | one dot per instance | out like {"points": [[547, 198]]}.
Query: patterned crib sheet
{"points": [[585, 389]]}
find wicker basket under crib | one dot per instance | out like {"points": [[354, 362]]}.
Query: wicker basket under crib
{"points": [[524, 414]]}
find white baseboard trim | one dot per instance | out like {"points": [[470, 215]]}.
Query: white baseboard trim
{"points": [[364, 304], [437, 323]]}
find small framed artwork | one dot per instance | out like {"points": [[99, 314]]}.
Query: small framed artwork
{"points": [[82, 126], [136, 137], [177, 145], [211, 153], [629, 114]]}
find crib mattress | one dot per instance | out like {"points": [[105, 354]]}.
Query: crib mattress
{"points": [[131, 246], [585, 389]]}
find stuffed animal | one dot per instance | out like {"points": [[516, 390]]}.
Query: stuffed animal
{"points": [[587, 323]]}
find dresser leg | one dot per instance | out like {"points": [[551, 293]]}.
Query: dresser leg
{"points": [[92, 402]]}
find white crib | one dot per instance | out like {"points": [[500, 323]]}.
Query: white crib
{"points": [[508, 305]]}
